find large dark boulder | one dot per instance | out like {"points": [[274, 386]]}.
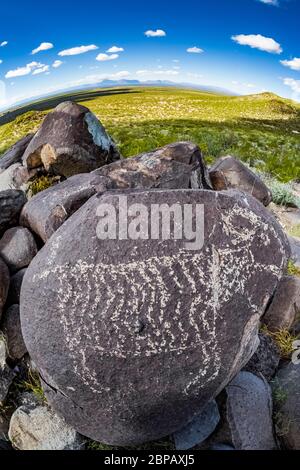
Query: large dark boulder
{"points": [[48, 210], [230, 173], [11, 203], [4, 284], [71, 140], [15, 153], [175, 166], [134, 337], [18, 247]]}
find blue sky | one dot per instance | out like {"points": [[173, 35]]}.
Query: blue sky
{"points": [[246, 46]]}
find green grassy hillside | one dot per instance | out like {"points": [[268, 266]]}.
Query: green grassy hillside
{"points": [[263, 130]]}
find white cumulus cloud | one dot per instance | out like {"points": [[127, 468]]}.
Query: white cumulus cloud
{"points": [[44, 46], [293, 84], [57, 63], [293, 64], [157, 72], [158, 33], [115, 49], [3, 43], [257, 41], [270, 2], [194, 50], [26, 70], [78, 50], [43, 69], [103, 57]]}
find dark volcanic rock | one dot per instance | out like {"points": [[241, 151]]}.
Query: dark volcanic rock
{"points": [[230, 173], [11, 203], [285, 306], [4, 284], [249, 413], [18, 247], [71, 140], [15, 288], [15, 153], [11, 327], [134, 337], [49, 209], [175, 166], [287, 387], [266, 359]]}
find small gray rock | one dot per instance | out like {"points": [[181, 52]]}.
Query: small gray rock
{"points": [[249, 413], [37, 427], [285, 306], [15, 153], [230, 173], [295, 250], [287, 419], [7, 177], [49, 209], [11, 327], [70, 141], [18, 248], [265, 360], [199, 429], [11, 203]]}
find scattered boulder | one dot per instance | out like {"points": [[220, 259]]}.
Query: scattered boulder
{"points": [[11, 203], [14, 291], [70, 141], [175, 166], [37, 427], [15, 153], [265, 360], [18, 247], [96, 314], [295, 250], [287, 387], [11, 327], [230, 173], [285, 306], [199, 429], [4, 284], [249, 413], [49, 209]]}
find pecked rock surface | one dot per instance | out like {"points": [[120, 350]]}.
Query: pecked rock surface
{"points": [[71, 140], [178, 165], [134, 337], [48, 210]]}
